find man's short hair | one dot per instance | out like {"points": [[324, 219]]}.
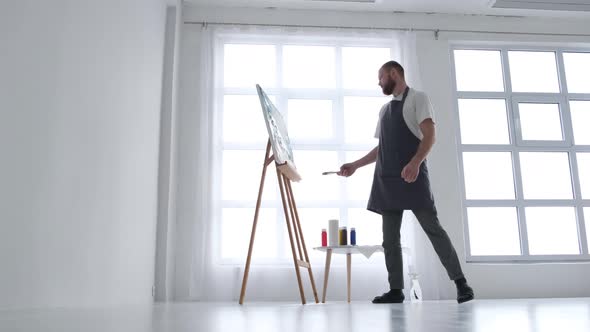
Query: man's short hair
{"points": [[393, 64]]}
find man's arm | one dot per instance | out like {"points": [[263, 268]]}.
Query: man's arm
{"points": [[411, 170], [369, 158], [350, 168], [428, 132]]}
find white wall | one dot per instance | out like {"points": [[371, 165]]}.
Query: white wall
{"points": [[80, 86], [489, 280]]}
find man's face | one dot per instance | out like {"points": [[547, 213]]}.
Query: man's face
{"points": [[387, 80]]}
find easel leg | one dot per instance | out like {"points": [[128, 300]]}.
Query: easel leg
{"points": [[348, 263], [298, 230], [256, 211], [291, 215], [282, 180], [326, 274], [294, 217]]}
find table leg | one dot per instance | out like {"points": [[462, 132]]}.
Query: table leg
{"points": [[348, 258], [326, 273]]}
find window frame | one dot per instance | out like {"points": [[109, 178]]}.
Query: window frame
{"points": [[282, 94], [516, 146]]}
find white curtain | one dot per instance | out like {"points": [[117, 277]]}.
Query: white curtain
{"points": [[428, 266], [197, 275]]}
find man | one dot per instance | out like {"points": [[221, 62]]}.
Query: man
{"points": [[406, 134]]}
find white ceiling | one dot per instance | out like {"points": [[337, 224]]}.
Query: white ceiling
{"points": [[580, 8]]}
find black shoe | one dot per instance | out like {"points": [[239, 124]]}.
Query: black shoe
{"points": [[393, 296], [464, 293]]}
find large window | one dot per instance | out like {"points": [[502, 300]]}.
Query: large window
{"points": [[524, 152], [328, 95]]}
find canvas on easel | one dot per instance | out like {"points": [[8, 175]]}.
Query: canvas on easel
{"points": [[282, 155], [279, 138]]}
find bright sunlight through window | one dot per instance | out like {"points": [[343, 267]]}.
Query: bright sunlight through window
{"points": [[524, 152], [328, 95]]}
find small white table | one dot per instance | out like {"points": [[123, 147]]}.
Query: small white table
{"points": [[367, 251]]}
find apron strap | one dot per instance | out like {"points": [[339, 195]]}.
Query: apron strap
{"points": [[405, 93]]}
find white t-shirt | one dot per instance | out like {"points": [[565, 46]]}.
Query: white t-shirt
{"points": [[417, 108]]}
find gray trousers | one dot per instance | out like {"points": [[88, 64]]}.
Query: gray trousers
{"points": [[428, 219]]}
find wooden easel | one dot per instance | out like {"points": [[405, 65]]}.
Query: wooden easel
{"points": [[292, 219]]}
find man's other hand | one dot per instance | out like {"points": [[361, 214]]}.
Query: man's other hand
{"points": [[410, 172]]}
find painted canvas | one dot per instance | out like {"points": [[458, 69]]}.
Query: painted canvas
{"points": [[279, 138]]}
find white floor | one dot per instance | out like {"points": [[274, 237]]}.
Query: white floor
{"points": [[562, 315]]}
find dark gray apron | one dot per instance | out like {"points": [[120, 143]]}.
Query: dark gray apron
{"points": [[397, 146]]}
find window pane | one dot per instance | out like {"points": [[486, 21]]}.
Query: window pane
{"points": [[360, 66], [540, 122], [312, 222], [580, 110], [261, 67], [240, 178], [483, 121], [361, 115], [584, 172], [236, 227], [478, 70], [309, 119], [533, 71], [577, 71], [488, 175], [367, 226], [546, 175], [243, 120], [493, 231], [358, 186], [314, 185], [309, 66], [552, 230]]}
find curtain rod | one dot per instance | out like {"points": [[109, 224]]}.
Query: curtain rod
{"points": [[435, 31]]}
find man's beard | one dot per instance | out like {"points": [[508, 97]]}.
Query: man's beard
{"points": [[388, 89]]}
